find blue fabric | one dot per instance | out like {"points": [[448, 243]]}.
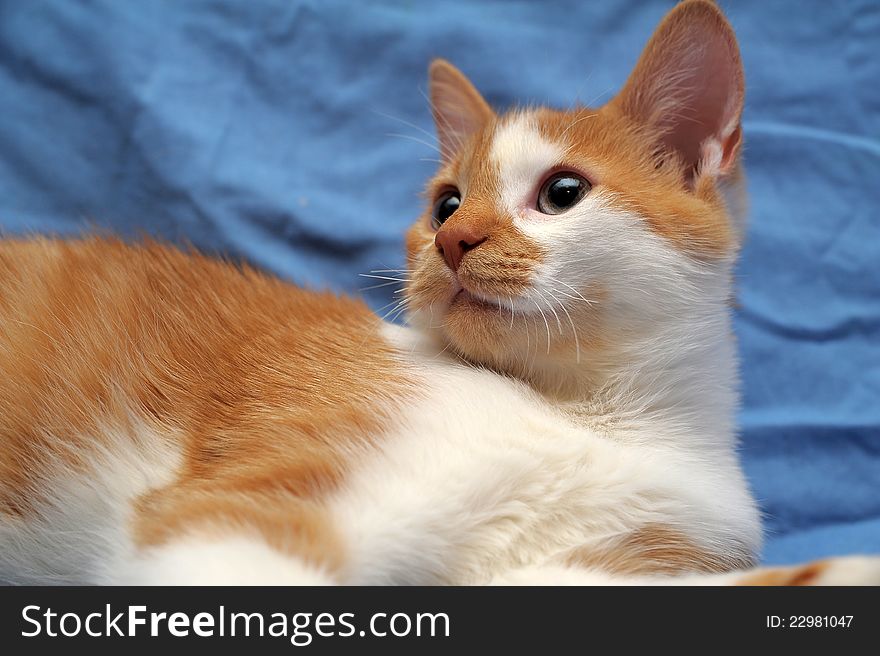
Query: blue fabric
{"points": [[260, 129]]}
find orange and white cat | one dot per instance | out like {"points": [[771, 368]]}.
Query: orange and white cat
{"points": [[560, 410]]}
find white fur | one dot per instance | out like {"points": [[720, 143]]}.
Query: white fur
{"points": [[522, 157], [216, 560], [483, 475], [74, 534]]}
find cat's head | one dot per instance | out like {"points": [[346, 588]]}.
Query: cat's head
{"points": [[549, 235]]}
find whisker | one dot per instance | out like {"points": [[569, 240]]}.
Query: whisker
{"points": [[550, 305], [397, 314], [381, 284], [599, 95], [579, 295], [408, 124], [575, 122], [547, 325], [394, 303], [528, 341], [577, 344], [411, 138], [445, 348], [535, 354], [397, 309], [567, 295], [370, 275]]}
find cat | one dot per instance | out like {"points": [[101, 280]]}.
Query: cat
{"points": [[559, 409]]}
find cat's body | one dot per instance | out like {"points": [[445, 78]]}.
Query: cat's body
{"points": [[385, 461], [561, 410]]}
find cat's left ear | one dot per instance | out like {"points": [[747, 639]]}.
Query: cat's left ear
{"points": [[688, 88], [459, 109]]}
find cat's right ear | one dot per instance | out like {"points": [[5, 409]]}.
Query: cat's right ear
{"points": [[459, 109], [688, 88]]}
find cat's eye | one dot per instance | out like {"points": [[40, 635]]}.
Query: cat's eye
{"points": [[562, 191], [445, 207]]}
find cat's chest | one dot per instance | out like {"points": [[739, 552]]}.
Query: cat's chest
{"points": [[477, 474], [457, 472]]}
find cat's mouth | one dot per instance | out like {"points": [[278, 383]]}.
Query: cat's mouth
{"points": [[466, 298], [474, 300]]}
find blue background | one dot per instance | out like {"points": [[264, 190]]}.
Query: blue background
{"points": [[261, 129]]}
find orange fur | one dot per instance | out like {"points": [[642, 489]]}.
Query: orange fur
{"points": [[653, 550], [269, 388]]}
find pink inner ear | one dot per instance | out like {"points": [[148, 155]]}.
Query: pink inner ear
{"points": [[708, 105]]}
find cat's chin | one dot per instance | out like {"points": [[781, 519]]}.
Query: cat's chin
{"points": [[504, 337], [482, 330]]}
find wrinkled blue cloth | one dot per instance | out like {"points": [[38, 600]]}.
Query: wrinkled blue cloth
{"points": [[261, 129]]}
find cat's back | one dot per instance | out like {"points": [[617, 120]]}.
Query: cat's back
{"points": [[146, 392], [98, 337]]}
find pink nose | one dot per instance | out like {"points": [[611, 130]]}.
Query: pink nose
{"points": [[453, 241]]}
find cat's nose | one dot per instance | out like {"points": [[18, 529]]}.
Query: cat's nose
{"points": [[453, 241]]}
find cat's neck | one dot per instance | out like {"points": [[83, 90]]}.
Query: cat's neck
{"points": [[674, 384]]}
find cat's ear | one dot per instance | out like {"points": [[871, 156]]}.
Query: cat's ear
{"points": [[688, 88], [459, 109]]}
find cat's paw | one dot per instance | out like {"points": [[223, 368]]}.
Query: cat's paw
{"points": [[849, 570]]}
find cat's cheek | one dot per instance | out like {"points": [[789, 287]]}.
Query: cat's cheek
{"points": [[432, 288], [418, 241]]}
